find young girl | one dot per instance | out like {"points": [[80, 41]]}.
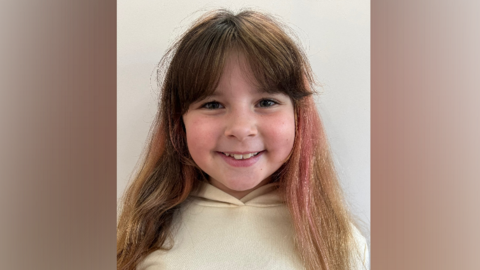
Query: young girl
{"points": [[237, 174]]}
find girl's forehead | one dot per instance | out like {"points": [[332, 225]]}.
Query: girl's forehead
{"points": [[237, 61], [236, 66], [237, 72]]}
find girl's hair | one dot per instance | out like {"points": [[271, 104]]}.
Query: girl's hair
{"points": [[189, 71]]}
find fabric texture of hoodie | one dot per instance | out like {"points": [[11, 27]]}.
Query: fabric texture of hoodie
{"points": [[214, 230]]}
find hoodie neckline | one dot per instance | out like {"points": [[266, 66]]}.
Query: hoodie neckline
{"points": [[264, 196]]}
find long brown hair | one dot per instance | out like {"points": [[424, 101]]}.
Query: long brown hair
{"points": [[189, 71]]}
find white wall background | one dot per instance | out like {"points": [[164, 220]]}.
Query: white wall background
{"points": [[336, 37]]}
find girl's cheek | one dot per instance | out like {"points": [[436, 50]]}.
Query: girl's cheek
{"points": [[204, 126], [280, 133], [201, 131]]}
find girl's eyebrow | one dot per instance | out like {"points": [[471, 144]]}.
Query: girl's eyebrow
{"points": [[258, 91], [213, 95], [271, 92]]}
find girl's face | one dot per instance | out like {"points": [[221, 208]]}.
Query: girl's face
{"points": [[240, 135]]}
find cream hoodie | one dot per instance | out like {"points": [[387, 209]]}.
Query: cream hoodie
{"points": [[215, 230]]}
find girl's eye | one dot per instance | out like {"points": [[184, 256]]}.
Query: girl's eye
{"points": [[266, 103], [213, 105]]}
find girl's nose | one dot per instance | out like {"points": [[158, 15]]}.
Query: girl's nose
{"points": [[241, 125]]}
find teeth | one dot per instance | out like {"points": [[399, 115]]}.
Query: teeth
{"points": [[246, 156]]}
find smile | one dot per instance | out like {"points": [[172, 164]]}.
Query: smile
{"points": [[241, 156], [240, 159]]}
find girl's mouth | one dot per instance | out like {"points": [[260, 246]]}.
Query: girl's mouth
{"points": [[241, 159], [241, 156]]}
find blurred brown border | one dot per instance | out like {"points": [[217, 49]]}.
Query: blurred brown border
{"points": [[425, 134], [58, 134]]}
